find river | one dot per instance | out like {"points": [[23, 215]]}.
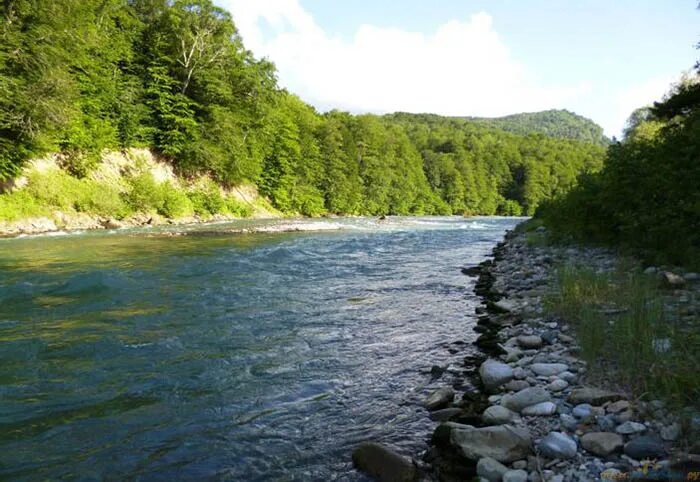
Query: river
{"points": [[224, 354]]}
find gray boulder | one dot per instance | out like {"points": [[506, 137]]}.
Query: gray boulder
{"points": [[383, 463], [602, 443], [504, 443], [525, 398], [494, 374], [548, 369], [497, 415], [440, 398], [490, 469], [645, 447]]}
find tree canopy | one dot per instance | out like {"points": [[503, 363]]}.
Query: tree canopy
{"points": [[81, 76]]}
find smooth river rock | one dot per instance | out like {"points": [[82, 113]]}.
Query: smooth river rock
{"points": [[629, 428], [515, 476], [440, 398], [494, 374], [557, 445], [540, 409], [383, 463], [497, 415], [602, 443], [490, 469], [525, 398], [645, 447], [529, 341], [548, 369], [504, 443]]}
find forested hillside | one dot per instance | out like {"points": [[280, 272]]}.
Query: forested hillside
{"points": [[647, 198], [561, 124], [81, 77]]}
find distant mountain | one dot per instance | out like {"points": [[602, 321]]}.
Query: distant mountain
{"points": [[552, 123]]}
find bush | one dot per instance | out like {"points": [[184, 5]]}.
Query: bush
{"points": [[237, 208], [145, 194], [175, 204], [100, 198], [20, 205], [207, 199]]}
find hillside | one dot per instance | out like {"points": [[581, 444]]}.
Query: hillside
{"points": [[175, 78], [560, 124]]}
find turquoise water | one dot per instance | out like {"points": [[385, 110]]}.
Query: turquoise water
{"points": [[226, 355]]}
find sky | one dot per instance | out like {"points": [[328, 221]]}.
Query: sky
{"points": [[599, 58]]}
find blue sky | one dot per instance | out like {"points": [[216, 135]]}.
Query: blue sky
{"points": [[600, 59]]}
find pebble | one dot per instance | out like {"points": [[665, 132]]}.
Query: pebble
{"points": [[602, 443], [497, 415], [557, 385], [540, 409], [583, 411], [548, 369], [490, 469], [629, 428], [529, 341], [518, 475]]}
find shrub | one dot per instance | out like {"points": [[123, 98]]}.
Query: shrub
{"points": [[207, 199], [145, 194], [237, 208], [19, 205], [175, 204]]}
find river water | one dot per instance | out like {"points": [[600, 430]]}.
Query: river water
{"points": [[225, 354]]}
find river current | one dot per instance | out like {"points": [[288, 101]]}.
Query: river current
{"points": [[227, 354]]}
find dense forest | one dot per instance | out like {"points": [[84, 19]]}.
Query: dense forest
{"points": [[554, 123], [83, 76], [647, 197]]}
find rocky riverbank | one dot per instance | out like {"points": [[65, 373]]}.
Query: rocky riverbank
{"points": [[539, 416]]}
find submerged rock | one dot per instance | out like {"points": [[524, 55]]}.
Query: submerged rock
{"points": [[440, 398], [383, 463], [504, 443]]}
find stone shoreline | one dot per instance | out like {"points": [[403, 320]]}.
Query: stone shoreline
{"points": [[538, 416], [535, 414]]}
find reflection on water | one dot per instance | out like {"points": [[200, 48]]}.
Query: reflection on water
{"points": [[222, 355]]}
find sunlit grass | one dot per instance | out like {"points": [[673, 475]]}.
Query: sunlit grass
{"points": [[620, 324]]}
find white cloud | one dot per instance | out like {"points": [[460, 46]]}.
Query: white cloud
{"points": [[637, 96], [462, 68]]}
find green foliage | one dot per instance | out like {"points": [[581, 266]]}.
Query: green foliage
{"points": [[560, 124], [624, 340], [207, 199], [20, 205], [176, 203], [646, 199], [82, 76]]}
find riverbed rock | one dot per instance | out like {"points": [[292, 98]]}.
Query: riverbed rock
{"points": [[557, 385], [548, 369], [516, 385], [593, 396], [444, 414], [502, 306], [494, 374], [557, 445], [383, 463], [490, 469], [440, 398], [645, 447], [497, 415], [602, 443], [525, 398], [503, 443], [671, 432], [617, 407], [540, 409], [529, 341], [111, 223], [629, 428], [518, 475]]}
